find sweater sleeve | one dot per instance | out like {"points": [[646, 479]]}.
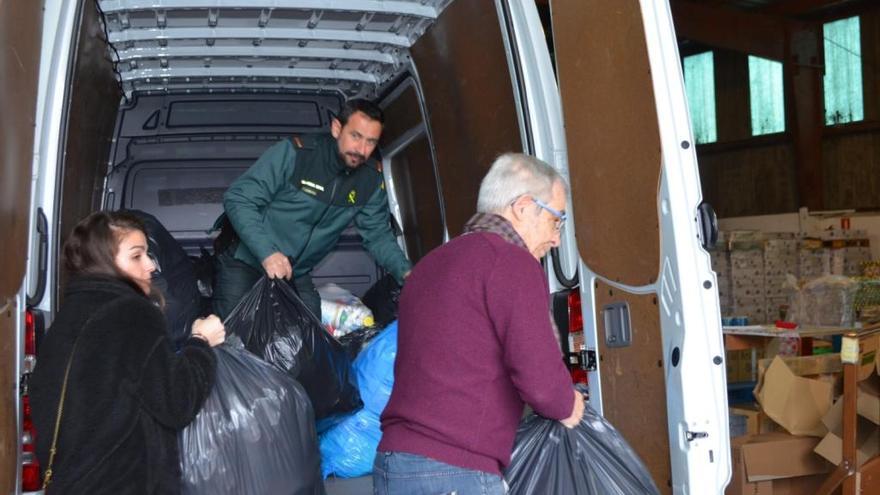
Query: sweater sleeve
{"points": [[249, 195], [173, 387], [372, 223], [517, 298]]}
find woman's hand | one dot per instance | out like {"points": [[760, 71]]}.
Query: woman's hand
{"points": [[210, 329]]}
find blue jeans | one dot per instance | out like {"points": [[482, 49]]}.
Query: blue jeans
{"points": [[399, 473]]}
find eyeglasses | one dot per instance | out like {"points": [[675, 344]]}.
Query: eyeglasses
{"points": [[559, 215]]}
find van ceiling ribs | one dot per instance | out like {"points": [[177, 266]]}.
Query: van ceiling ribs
{"points": [[352, 46], [415, 8]]}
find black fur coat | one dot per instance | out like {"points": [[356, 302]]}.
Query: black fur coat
{"points": [[128, 393]]}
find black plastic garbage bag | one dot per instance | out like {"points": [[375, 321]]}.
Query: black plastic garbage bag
{"points": [[383, 299], [354, 342], [255, 433], [175, 277], [591, 458], [275, 325]]}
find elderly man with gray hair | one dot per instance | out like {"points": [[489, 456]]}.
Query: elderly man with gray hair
{"points": [[475, 342]]}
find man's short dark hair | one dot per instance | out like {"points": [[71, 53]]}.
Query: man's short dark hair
{"points": [[366, 107]]}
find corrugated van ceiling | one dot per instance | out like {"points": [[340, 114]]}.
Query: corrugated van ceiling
{"points": [[352, 46]]}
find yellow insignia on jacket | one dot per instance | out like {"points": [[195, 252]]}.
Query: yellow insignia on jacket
{"points": [[352, 196]]}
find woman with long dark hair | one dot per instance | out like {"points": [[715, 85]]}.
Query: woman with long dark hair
{"points": [[109, 394]]}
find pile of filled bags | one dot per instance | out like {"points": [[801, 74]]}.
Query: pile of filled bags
{"points": [[297, 399], [348, 448], [278, 373]]}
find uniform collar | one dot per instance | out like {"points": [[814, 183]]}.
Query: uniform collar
{"points": [[330, 150]]}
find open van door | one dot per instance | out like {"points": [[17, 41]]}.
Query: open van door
{"points": [[649, 297], [20, 29]]}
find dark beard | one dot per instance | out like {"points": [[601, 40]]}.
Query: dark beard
{"points": [[344, 158]]}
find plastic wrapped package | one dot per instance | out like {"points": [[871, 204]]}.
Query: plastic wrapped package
{"points": [[275, 325], [348, 448], [255, 433], [341, 311], [824, 301], [591, 458], [383, 299]]}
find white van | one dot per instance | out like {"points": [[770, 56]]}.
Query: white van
{"points": [[159, 105]]}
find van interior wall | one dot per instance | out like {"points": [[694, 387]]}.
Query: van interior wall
{"points": [[746, 176], [612, 136], [20, 34], [413, 174], [633, 382], [92, 102], [614, 158], [469, 99]]}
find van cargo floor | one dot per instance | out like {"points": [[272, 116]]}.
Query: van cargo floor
{"points": [[352, 486]]}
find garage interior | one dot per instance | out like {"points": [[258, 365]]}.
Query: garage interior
{"points": [[784, 99]]}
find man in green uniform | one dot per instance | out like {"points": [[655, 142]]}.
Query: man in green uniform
{"points": [[289, 209]]}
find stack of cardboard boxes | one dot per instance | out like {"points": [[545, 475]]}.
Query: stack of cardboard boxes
{"points": [[780, 261], [753, 268], [791, 442], [746, 252], [847, 251], [720, 257]]}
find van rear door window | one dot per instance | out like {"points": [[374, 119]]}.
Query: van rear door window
{"points": [[263, 113]]}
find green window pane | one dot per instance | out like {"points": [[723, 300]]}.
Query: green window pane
{"points": [[843, 72], [699, 82], [766, 96]]}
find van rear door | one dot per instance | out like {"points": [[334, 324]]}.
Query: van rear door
{"points": [[650, 303], [20, 30]]}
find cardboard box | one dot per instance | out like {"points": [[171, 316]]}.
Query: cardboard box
{"points": [[776, 464], [868, 351], [797, 404], [867, 441], [756, 421], [739, 366], [867, 436], [868, 401], [820, 364]]}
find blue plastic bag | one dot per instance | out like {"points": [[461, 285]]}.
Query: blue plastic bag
{"points": [[374, 369], [348, 448]]}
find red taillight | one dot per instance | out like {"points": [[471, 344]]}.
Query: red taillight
{"points": [[30, 473], [30, 466], [578, 376], [30, 334], [575, 315], [27, 425]]}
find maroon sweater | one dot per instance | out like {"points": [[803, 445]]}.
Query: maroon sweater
{"points": [[474, 344]]}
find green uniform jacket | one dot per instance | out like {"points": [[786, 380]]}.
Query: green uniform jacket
{"points": [[297, 200]]}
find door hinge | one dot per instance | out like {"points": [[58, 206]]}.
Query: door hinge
{"points": [[585, 359]]}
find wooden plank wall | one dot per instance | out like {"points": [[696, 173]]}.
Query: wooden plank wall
{"points": [[757, 180], [743, 176]]}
